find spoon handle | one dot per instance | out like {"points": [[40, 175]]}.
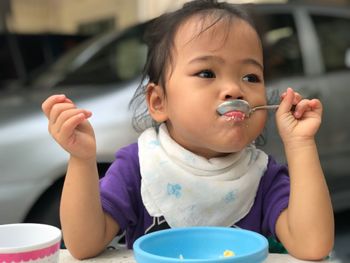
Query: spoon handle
{"points": [[265, 107], [270, 107]]}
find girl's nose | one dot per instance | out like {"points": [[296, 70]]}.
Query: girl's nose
{"points": [[231, 91]]}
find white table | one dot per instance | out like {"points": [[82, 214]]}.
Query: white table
{"points": [[126, 256]]}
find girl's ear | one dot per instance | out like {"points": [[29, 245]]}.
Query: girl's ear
{"points": [[156, 102]]}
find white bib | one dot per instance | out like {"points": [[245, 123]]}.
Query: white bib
{"points": [[190, 190]]}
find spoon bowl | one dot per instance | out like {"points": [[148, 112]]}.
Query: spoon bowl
{"points": [[241, 106]]}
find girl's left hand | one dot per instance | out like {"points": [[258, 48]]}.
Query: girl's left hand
{"points": [[303, 123]]}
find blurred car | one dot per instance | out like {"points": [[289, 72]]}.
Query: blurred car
{"points": [[26, 54], [306, 47]]}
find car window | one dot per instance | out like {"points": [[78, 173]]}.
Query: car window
{"points": [[282, 54], [334, 37], [129, 58], [121, 60]]}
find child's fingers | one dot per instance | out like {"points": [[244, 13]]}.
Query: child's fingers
{"points": [[297, 97], [307, 105], [301, 108], [68, 100], [47, 105], [316, 105], [68, 127], [66, 115], [57, 110], [287, 102]]}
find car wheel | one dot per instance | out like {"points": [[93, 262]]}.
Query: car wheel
{"points": [[46, 209]]}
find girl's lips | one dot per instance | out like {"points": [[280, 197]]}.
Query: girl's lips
{"points": [[234, 115]]}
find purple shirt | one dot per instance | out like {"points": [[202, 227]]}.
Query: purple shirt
{"points": [[121, 198]]}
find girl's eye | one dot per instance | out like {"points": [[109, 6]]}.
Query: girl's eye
{"points": [[252, 78], [208, 74]]}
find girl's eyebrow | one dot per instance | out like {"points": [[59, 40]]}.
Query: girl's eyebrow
{"points": [[254, 62], [206, 58]]}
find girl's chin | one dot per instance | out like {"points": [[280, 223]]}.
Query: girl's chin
{"points": [[224, 151]]}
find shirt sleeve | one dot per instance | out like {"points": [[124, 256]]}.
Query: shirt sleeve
{"points": [[276, 196], [120, 187]]}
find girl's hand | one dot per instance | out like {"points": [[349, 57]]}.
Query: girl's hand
{"points": [[69, 126], [302, 124]]}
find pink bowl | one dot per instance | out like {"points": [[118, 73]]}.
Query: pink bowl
{"points": [[29, 242]]}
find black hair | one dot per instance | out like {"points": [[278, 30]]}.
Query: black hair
{"points": [[159, 37]]}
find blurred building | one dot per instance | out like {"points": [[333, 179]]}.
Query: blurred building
{"points": [[41, 21], [90, 16], [70, 17]]}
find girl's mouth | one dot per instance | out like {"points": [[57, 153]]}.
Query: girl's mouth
{"points": [[234, 110], [234, 115]]}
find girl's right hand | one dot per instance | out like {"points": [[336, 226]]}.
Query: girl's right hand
{"points": [[69, 126]]}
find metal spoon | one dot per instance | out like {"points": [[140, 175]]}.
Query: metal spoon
{"points": [[242, 106]]}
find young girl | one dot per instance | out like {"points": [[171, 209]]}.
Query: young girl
{"points": [[195, 166]]}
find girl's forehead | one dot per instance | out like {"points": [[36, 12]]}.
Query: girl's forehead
{"points": [[209, 31], [197, 26]]}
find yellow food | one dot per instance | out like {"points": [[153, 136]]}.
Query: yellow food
{"points": [[228, 253]]}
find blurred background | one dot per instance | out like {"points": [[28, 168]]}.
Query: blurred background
{"points": [[93, 52]]}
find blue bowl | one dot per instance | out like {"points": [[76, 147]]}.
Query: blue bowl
{"points": [[201, 244]]}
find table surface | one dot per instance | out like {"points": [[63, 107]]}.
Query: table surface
{"points": [[126, 256]]}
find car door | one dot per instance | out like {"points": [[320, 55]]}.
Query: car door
{"points": [[332, 29], [289, 53], [305, 52]]}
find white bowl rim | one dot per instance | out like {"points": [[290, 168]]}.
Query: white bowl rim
{"points": [[36, 246]]}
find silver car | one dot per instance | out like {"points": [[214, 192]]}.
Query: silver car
{"points": [[307, 47]]}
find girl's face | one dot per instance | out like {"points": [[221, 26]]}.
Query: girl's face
{"points": [[222, 63]]}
